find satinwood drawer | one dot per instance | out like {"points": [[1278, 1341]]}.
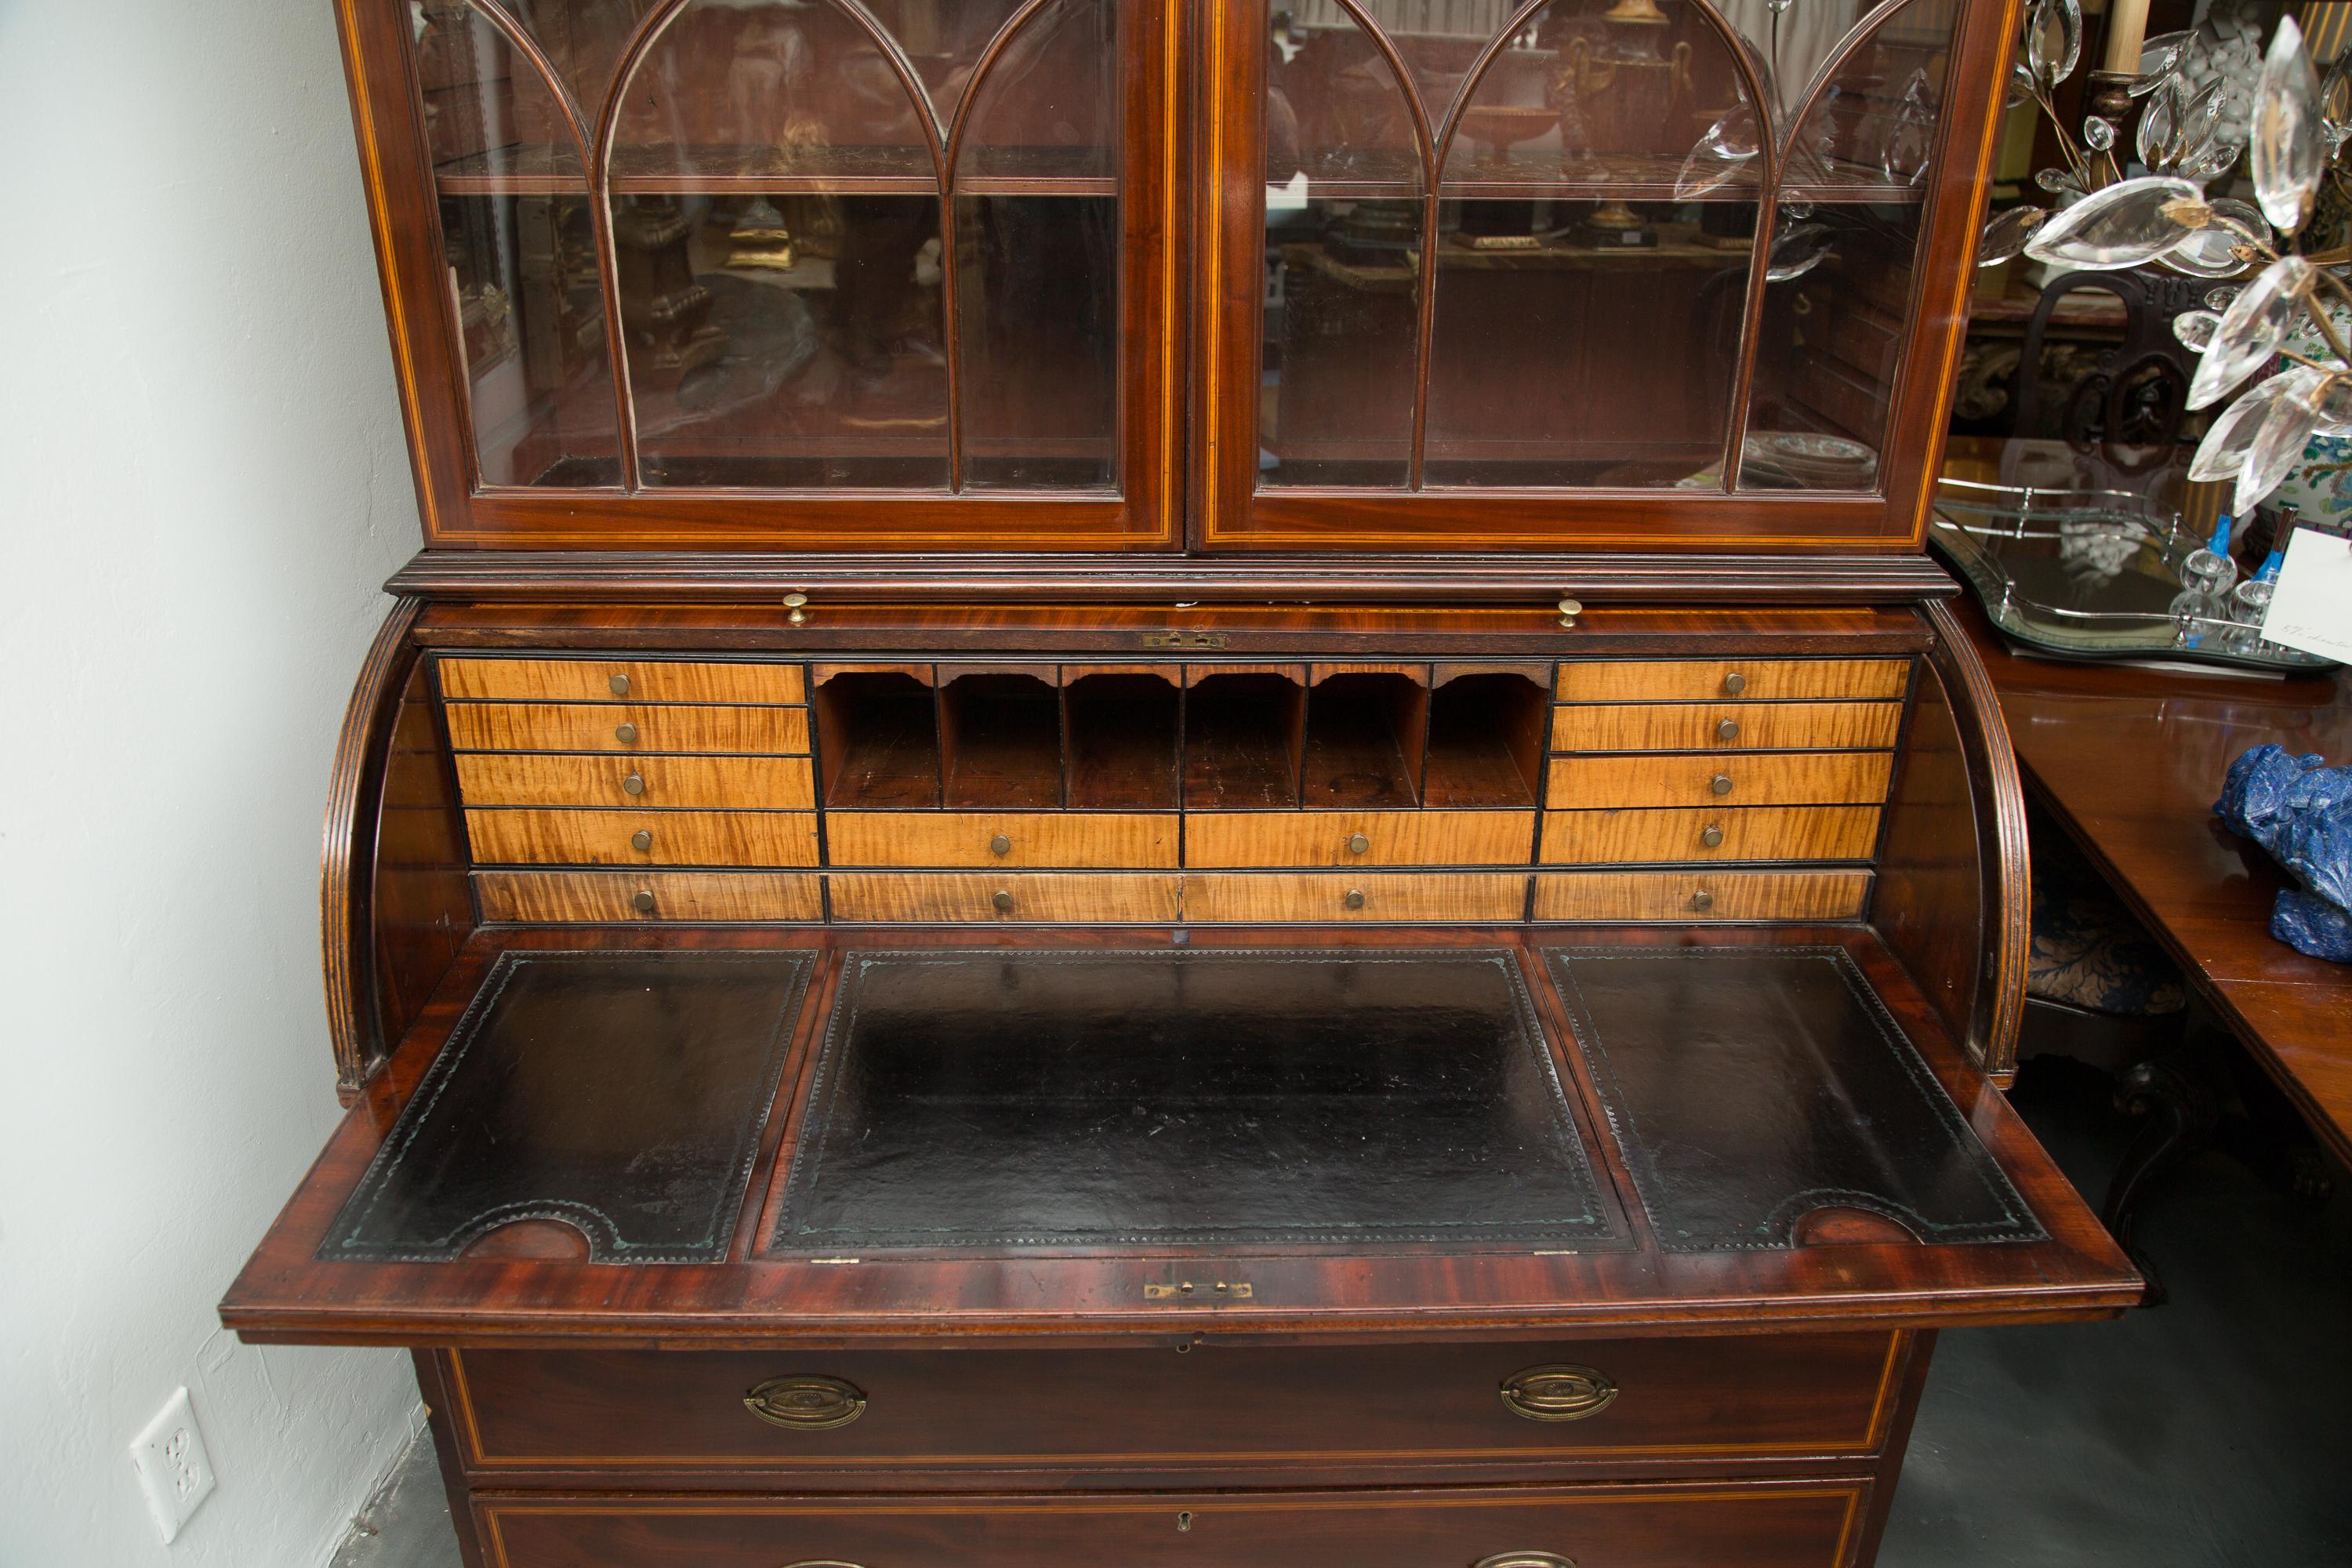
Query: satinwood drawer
{"points": [[1771, 1524], [1724, 726], [617, 680], [1425, 1408], [1701, 895], [1017, 897], [1750, 680], [631, 726], [1358, 837], [643, 837], [1711, 832], [604, 897], [1076, 839], [1373, 896], [1684, 778], [742, 783]]}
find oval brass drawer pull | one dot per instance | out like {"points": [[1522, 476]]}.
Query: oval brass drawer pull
{"points": [[1524, 1560], [1559, 1393], [805, 1404]]}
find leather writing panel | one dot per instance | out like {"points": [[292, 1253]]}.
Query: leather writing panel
{"points": [[1750, 1087], [621, 1094], [1023, 1098]]}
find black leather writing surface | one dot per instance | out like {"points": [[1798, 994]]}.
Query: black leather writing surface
{"points": [[1029, 1098], [1750, 1087], [622, 1094]]}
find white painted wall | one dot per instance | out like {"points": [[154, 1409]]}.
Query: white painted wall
{"points": [[202, 483]]}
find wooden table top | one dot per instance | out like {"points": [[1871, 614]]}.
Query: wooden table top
{"points": [[2130, 761]]}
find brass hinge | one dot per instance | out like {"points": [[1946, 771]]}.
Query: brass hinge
{"points": [[1182, 1287], [1184, 639]]}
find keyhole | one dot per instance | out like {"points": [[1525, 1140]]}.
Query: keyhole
{"points": [[1184, 1522]]}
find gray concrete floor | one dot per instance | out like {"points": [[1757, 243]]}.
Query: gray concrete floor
{"points": [[2206, 1434]]}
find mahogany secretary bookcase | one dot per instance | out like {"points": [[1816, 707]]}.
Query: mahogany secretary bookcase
{"points": [[1174, 783]]}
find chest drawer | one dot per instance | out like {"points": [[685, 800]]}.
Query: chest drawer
{"points": [[1750, 680], [618, 680], [629, 727], [1018, 898], [742, 783], [1382, 896], [1429, 1407], [1701, 895], [1724, 726], [1710, 833], [1681, 778], [1358, 838], [1077, 839], [609, 896], [644, 838]]}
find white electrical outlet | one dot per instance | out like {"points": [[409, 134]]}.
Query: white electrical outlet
{"points": [[174, 1471]]}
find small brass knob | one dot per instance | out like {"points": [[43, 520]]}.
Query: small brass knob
{"points": [[1355, 898], [1003, 901], [1711, 836], [1702, 899], [1569, 610], [1720, 784], [627, 734], [620, 685], [1727, 730], [1357, 843], [643, 839], [641, 900], [798, 604], [636, 784], [1001, 845], [1734, 683]]}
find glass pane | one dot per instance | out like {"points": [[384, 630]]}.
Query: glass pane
{"points": [[1037, 232], [1791, 43], [521, 250], [584, 41], [1845, 245], [1593, 264]]}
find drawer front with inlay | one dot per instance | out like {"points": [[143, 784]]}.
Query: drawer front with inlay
{"points": [[1701, 895], [643, 837], [1020, 898], [1754, 680], [1768, 1524], [617, 680], [740, 784], [1725, 726], [1379, 896], [1711, 832], [1434, 1407], [1077, 839], [1358, 838], [1682, 778], [632, 727], [605, 897]]}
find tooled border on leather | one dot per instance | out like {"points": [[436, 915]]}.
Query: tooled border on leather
{"points": [[605, 1243], [2020, 1224], [809, 1154]]}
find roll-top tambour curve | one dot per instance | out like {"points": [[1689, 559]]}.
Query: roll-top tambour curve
{"points": [[618, 680], [643, 837], [1041, 838], [742, 783], [1684, 778], [736, 728], [1752, 680], [1725, 726]]}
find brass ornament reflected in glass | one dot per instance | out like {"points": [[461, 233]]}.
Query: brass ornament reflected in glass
{"points": [[761, 241], [1620, 98]]}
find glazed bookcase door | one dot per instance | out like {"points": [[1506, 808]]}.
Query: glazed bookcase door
{"points": [[1554, 273], [791, 274]]}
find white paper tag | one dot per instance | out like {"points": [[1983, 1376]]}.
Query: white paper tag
{"points": [[2312, 606]]}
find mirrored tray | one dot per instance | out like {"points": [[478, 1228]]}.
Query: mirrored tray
{"points": [[2090, 574]]}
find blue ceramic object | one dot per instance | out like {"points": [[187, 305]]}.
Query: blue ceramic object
{"points": [[2300, 810]]}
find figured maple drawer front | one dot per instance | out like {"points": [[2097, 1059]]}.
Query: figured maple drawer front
{"points": [[1766, 1524], [1375, 896], [1711, 832], [643, 837], [1701, 895], [1684, 778], [1442, 1407], [742, 783], [1019, 898], [1358, 837], [1076, 839], [631, 726], [1752, 680], [529, 898], [617, 680], [1724, 726]]}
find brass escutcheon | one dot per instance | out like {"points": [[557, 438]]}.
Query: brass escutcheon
{"points": [[807, 1403], [1558, 1393]]}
